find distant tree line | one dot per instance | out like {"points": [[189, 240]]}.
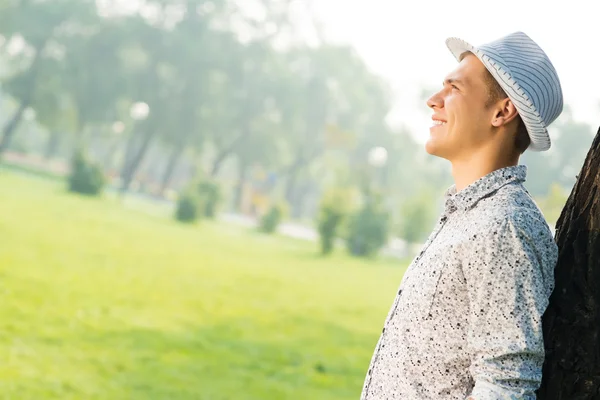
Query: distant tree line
{"points": [[181, 92]]}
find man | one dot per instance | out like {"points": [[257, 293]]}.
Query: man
{"points": [[467, 319]]}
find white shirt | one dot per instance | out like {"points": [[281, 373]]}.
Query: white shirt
{"points": [[467, 319]]}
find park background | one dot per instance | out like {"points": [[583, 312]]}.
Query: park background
{"points": [[217, 199]]}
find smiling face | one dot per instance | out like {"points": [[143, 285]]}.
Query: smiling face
{"points": [[462, 117]]}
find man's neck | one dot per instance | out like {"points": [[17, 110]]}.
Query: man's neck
{"points": [[468, 171]]}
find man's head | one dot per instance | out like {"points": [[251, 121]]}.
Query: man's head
{"points": [[498, 102], [472, 113]]}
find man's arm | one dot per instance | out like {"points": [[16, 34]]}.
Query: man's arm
{"points": [[509, 284]]}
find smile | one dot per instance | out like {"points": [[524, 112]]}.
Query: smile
{"points": [[438, 123]]}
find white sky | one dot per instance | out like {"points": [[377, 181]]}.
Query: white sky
{"points": [[404, 42]]}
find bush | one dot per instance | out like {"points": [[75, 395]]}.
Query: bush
{"points": [[272, 218], [188, 207], [417, 217], [368, 228], [86, 177], [333, 211], [210, 196]]}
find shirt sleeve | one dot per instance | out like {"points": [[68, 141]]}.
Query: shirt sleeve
{"points": [[510, 275]]}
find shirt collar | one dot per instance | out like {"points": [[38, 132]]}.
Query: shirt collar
{"points": [[466, 198]]}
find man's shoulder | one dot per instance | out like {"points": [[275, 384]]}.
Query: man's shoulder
{"points": [[512, 205]]}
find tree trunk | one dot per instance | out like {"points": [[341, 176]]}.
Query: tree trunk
{"points": [[218, 162], [11, 127], [109, 156], [239, 188], [572, 321], [80, 143], [303, 159], [52, 144], [131, 167], [171, 164], [299, 200], [130, 146], [290, 187], [226, 151]]}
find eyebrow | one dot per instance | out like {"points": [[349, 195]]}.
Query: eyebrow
{"points": [[450, 81]]}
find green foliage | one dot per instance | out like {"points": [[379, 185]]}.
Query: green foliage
{"points": [[273, 217], [553, 203], [125, 305], [369, 227], [334, 209], [572, 140], [188, 206], [81, 71], [86, 177], [417, 216], [209, 193]]}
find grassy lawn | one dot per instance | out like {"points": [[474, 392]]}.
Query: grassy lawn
{"points": [[98, 301]]}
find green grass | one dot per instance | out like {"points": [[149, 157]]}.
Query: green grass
{"points": [[98, 301], [30, 170]]}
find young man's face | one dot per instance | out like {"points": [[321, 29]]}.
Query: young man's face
{"points": [[461, 118]]}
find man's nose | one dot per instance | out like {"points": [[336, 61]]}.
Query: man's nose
{"points": [[436, 100]]}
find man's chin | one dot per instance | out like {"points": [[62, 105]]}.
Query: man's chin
{"points": [[437, 149], [433, 147]]}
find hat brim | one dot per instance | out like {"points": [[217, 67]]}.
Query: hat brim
{"points": [[540, 139]]}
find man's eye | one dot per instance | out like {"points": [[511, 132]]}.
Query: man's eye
{"points": [[454, 87]]}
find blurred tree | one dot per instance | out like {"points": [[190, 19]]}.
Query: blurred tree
{"points": [[222, 80], [571, 141], [153, 80], [368, 228], [553, 203], [198, 53], [330, 90], [417, 216], [37, 32], [571, 145], [336, 205], [247, 89], [94, 80]]}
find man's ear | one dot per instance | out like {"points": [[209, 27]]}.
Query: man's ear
{"points": [[504, 113]]}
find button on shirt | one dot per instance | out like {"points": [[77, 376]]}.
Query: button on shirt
{"points": [[467, 319]]}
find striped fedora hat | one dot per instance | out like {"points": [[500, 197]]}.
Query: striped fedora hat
{"points": [[527, 76]]}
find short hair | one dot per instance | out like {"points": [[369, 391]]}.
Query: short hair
{"points": [[495, 93]]}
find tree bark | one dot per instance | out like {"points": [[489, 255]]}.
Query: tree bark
{"points": [[218, 162], [132, 166], [171, 164], [52, 144], [130, 146], [239, 188], [290, 187], [10, 128], [572, 321], [226, 152], [111, 151], [299, 200]]}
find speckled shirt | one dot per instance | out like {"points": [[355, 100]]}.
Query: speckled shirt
{"points": [[467, 319]]}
